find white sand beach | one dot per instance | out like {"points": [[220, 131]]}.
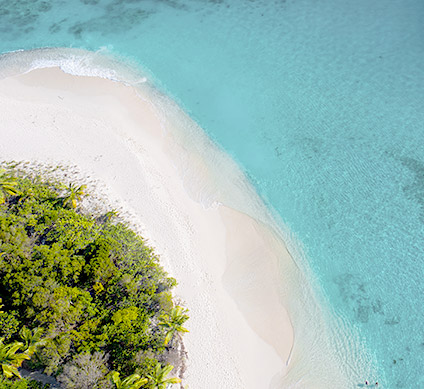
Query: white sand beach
{"points": [[196, 212], [240, 334]]}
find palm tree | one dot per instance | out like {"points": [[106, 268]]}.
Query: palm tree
{"points": [[173, 323], [7, 186], [131, 382], [74, 194], [32, 339], [159, 377], [10, 359]]}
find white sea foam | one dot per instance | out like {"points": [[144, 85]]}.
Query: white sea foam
{"points": [[72, 61], [327, 351]]}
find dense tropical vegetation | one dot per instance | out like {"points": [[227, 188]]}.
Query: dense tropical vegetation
{"points": [[83, 297]]}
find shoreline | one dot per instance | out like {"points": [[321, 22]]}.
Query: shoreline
{"points": [[153, 161], [47, 105]]}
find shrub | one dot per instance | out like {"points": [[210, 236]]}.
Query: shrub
{"points": [[86, 371]]}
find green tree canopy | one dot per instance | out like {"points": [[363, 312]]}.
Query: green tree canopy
{"points": [[7, 186], [159, 377], [74, 193], [173, 322], [11, 359], [134, 381], [84, 284]]}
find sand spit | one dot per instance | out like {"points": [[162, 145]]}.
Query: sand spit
{"points": [[195, 207]]}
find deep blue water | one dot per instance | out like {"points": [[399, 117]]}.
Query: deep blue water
{"points": [[321, 103]]}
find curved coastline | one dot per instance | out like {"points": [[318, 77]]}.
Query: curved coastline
{"points": [[173, 181]]}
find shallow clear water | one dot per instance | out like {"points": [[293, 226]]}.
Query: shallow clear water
{"points": [[321, 103]]}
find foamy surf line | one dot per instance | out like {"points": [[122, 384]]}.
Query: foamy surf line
{"points": [[248, 298], [72, 61]]}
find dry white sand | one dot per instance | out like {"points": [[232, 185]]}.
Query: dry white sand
{"points": [[240, 334]]}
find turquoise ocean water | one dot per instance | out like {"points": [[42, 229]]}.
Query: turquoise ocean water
{"points": [[321, 104]]}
